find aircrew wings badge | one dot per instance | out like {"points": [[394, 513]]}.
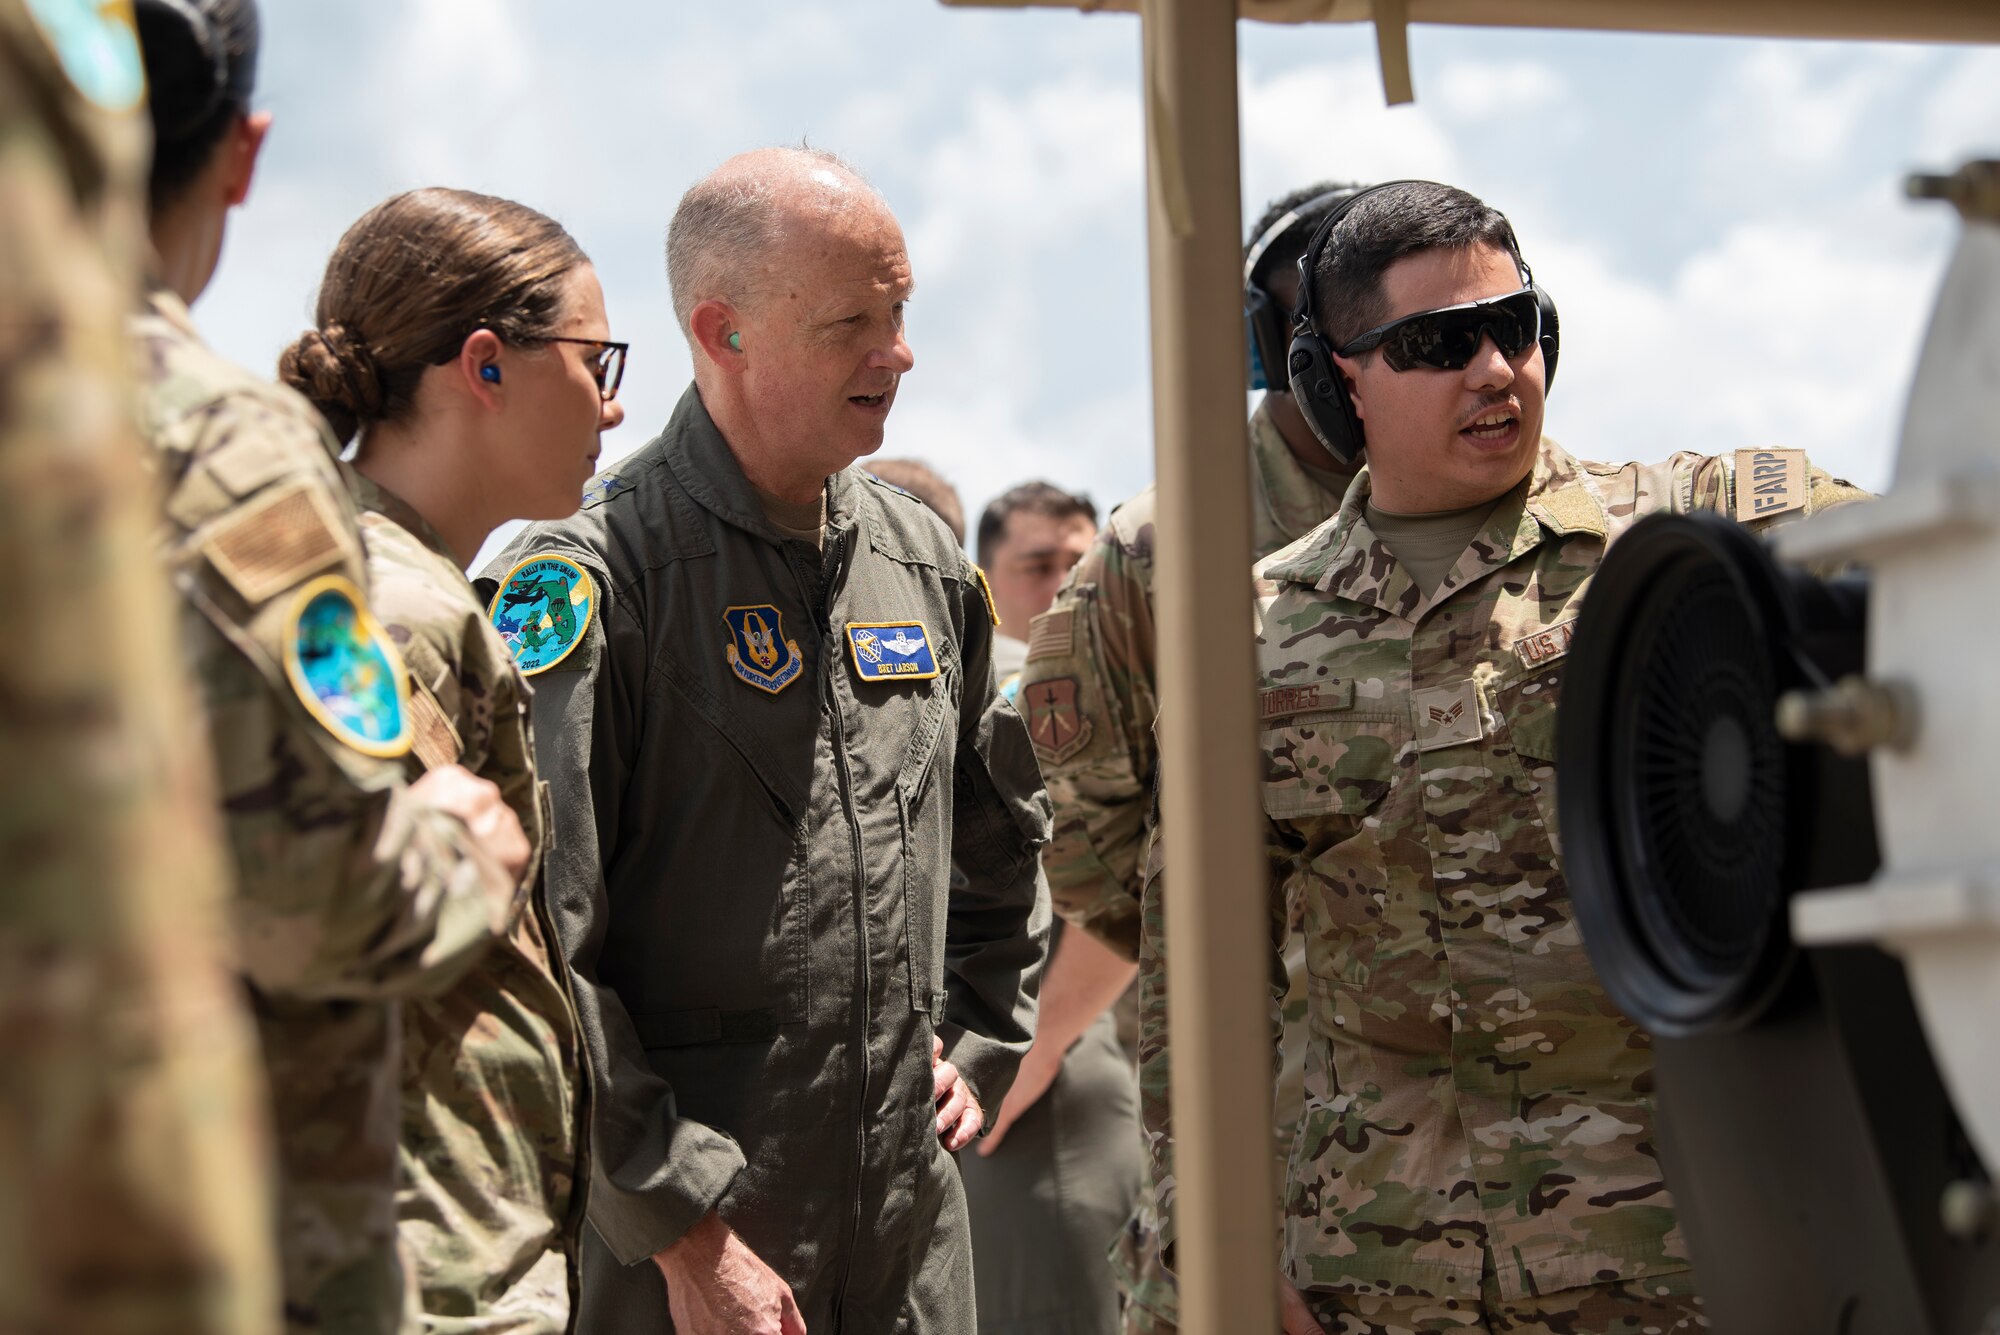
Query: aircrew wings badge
{"points": [[758, 651], [891, 650], [344, 669], [542, 609]]}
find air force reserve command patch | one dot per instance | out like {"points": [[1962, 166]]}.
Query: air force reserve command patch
{"points": [[344, 669], [542, 609], [891, 650], [758, 651]]}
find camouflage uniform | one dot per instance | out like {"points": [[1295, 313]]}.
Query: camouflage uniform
{"points": [[1089, 697], [350, 893], [1477, 1124], [489, 1207], [132, 1183]]}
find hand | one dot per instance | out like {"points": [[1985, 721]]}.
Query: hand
{"points": [[717, 1286], [457, 791], [1038, 1071], [1294, 1317], [959, 1115]]}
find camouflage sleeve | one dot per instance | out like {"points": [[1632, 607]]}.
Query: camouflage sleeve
{"points": [[134, 1189], [1087, 695], [350, 886], [654, 1172], [997, 922], [1759, 488]]}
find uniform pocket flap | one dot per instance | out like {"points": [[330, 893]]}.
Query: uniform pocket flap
{"points": [[1327, 766]]}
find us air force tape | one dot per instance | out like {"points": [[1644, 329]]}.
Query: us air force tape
{"points": [[541, 609], [344, 669]]}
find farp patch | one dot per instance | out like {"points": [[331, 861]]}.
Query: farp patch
{"points": [[891, 650], [758, 651], [344, 669], [541, 610]]}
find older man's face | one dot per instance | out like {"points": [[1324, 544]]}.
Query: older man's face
{"points": [[833, 311]]}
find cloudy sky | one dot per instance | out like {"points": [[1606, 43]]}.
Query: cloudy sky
{"points": [[1720, 220]]}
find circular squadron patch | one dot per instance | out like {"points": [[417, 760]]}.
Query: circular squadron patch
{"points": [[98, 45], [344, 669], [541, 610]]}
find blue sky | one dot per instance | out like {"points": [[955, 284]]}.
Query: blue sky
{"points": [[1721, 220]]}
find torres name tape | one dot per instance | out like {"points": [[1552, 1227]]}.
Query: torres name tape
{"points": [[891, 650]]}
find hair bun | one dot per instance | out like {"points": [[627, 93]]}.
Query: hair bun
{"points": [[335, 370]]}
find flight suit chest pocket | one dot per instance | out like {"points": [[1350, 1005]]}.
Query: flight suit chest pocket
{"points": [[923, 807]]}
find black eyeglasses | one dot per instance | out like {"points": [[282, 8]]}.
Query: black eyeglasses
{"points": [[1447, 338], [607, 367]]}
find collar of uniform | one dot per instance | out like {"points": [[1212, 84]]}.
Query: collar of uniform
{"points": [[1292, 501], [708, 471], [1346, 559], [372, 495], [163, 303]]}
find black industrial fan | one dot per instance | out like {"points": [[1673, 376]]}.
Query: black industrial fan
{"points": [[1805, 1132]]}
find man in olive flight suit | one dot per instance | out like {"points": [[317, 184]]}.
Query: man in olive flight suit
{"points": [[769, 733]]}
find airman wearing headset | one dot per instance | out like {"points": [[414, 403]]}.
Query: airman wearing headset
{"points": [[1475, 1146], [1089, 696]]}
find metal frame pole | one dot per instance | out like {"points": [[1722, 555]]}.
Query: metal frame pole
{"points": [[1217, 937]]}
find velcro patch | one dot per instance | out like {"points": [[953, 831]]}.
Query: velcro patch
{"points": [[1769, 482], [1573, 509], [1057, 724], [1052, 634], [541, 609], [432, 737], [1545, 646], [345, 670], [1448, 716], [891, 650], [1278, 702], [285, 536]]}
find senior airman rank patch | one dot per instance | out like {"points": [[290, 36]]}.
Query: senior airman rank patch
{"points": [[1447, 716], [891, 650], [542, 609], [344, 669], [758, 651]]}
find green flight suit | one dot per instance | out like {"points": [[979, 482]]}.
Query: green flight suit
{"points": [[756, 814]]}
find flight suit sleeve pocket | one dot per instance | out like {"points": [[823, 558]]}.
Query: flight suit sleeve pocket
{"points": [[1337, 765]]}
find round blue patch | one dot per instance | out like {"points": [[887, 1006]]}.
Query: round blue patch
{"points": [[98, 46], [344, 669], [541, 610]]}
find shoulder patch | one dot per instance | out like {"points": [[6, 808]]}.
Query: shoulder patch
{"points": [[758, 651], [891, 650], [986, 592], [1769, 482], [1573, 509], [1057, 725], [541, 609], [97, 43], [1052, 634], [344, 669], [277, 541]]}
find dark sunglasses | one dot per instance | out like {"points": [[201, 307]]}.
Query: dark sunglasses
{"points": [[607, 365], [1447, 338]]}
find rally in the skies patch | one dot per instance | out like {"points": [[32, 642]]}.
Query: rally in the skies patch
{"points": [[541, 610], [344, 669], [891, 650], [758, 651]]}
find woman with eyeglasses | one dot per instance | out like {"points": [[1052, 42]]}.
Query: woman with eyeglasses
{"points": [[461, 342]]}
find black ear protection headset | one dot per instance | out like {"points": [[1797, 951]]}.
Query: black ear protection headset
{"points": [[1269, 322], [1317, 385]]}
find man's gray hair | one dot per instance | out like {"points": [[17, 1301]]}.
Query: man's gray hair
{"points": [[727, 221]]}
